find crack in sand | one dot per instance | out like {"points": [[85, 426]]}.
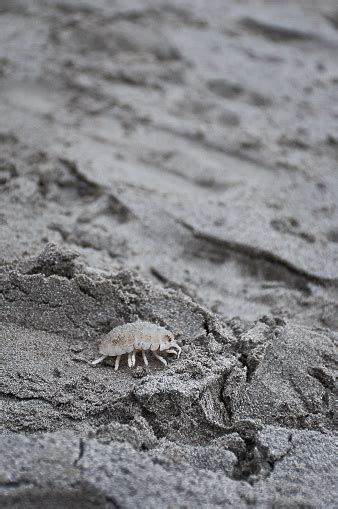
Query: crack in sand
{"points": [[252, 252]]}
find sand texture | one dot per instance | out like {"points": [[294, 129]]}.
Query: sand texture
{"points": [[175, 162]]}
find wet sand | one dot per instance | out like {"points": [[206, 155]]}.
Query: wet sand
{"points": [[174, 162]]}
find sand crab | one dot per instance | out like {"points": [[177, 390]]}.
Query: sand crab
{"points": [[139, 336]]}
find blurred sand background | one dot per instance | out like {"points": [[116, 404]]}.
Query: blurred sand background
{"points": [[177, 162]]}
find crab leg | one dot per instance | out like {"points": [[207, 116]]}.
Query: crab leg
{"points": [[179, 350], [117, 362], [133, 359], [160, 358], [145, 360], [100, 359], [130, 362]]}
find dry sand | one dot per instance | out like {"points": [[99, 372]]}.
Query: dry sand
{"points": [[173, 161]]}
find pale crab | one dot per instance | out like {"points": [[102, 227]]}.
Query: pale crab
{"points": [[139, 336]]}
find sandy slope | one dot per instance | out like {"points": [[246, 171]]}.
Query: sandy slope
{"points": [[174, 161]]}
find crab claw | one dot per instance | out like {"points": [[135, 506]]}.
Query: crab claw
{"points": [[179, 350], [172, 348], [171, 351], [99, 360]]}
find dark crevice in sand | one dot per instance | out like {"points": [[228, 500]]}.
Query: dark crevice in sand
{"points": [[168, 283], [274, 461], [166, 13], [250, 370], [227, 405], [332, 18], [206, 327], [117, 208], [276, 32], [250, 463], [255, 461], [112, 501], [84, 186], [151, 418], [82, 446], [199, 138], [159, 276], [16, 484], [301, 277], [323, 376], [10, 395], [73, 185]]}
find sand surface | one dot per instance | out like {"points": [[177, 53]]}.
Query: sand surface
{"points": [[176, 162]]}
